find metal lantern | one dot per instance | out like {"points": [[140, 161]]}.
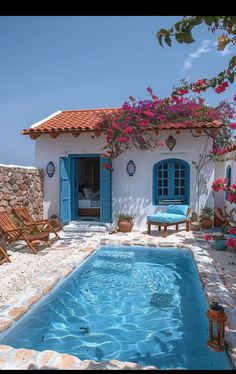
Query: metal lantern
{"points": [[217, 318], [170, 142]]}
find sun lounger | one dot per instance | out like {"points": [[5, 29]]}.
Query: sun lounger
{"points": [[43, 225], [31, 235], [174, 215]]}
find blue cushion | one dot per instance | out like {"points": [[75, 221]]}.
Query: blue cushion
{"points": [[177, 209], [166, 217]]}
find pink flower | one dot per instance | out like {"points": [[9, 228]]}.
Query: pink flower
{"points": [[200, 81], [231, 231], [234, 98], [232, 198], [175, 98], [143, 124], [161, 143], [107, 165], [219, 184], [123, 140], [114, 125], [221, 87], [233, 125], [207, 237], [182, 91], [148, 113], [149, 89], [195, 89], [231, 242], [128, 130]]}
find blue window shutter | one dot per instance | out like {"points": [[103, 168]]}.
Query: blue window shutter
{"points": [[105, 195], [65, 202]]}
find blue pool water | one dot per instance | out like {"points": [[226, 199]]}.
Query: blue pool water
{"points": [[129, 303]]}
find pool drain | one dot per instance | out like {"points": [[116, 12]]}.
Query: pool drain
{"points": [[161, 300]]}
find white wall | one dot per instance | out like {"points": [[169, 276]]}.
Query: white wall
{"points": [[130, 194], [220, 172]]}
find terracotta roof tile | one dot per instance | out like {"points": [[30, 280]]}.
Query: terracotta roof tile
{"points": [[87, 120]]}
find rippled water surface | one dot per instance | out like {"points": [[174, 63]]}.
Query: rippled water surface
{"points": [[130, 303]]}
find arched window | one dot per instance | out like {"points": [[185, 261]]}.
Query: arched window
{"points": [[228, 176], [171, 182]]}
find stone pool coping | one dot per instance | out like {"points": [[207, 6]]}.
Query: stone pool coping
{"points": [[27, 359]]}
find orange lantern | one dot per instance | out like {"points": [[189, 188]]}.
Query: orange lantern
{"points": [[217, 318]]}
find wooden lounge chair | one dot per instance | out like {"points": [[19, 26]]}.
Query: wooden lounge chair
{"points": [[3, 251], [174, 215], [31, 235], [43, 225]]}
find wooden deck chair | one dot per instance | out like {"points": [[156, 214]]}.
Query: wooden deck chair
{"points": [[43, 225], [3, 255], [31, 235]]}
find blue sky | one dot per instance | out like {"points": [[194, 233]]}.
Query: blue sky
{"points": [[51, 63]]}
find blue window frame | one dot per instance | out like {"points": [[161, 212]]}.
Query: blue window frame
{"points": [[171, 182], [228, 176]]}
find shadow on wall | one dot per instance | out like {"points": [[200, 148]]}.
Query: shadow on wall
{"points": [[203, 190], [138, 207]]}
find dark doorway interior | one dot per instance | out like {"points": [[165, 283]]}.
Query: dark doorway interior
{"points": [[89, 188]]}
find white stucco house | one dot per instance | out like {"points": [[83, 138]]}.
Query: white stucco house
{"points": [[140, 183]]}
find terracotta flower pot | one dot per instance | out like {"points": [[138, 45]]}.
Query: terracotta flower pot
{"points": [[195, 226], [206, 223], [125, 226]]}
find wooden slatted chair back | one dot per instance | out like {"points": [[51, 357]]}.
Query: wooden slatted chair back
{"points": [[7, 224], [23, 214]]}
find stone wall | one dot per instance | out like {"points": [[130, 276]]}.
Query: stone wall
{"points": [[23, 186]]}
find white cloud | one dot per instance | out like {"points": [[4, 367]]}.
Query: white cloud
{"points": [[203, 48]]}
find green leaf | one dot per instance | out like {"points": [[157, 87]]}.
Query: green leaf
{"points": [[188, 37], [197, 20], [178, 25], [168, 40], [159, 37], [209, 20], [232, 62], [231, 78], [179, 37]]}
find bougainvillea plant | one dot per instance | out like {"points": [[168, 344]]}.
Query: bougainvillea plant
{"points": [[130, 125], [221, 184], [230, 242]]}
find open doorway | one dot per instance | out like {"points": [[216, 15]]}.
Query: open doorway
{"points": [[88, 169]]}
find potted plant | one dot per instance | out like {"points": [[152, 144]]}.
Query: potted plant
{"points": [[206, 215], [195, 224], [125, 222], [219, 241]]}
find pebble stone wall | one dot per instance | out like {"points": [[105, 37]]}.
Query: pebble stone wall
{"points": [[21, 185]]}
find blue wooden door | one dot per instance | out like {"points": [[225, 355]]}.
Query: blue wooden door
{"points": [[74, 172], [105, 195], [65, 189]]}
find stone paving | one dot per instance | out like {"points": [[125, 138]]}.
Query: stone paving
{"points": [[73, 248]]}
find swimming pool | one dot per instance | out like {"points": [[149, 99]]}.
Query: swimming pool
{"points": [[129, 303]]}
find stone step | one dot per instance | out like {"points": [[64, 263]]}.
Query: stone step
{"points": [[82, 226]]}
